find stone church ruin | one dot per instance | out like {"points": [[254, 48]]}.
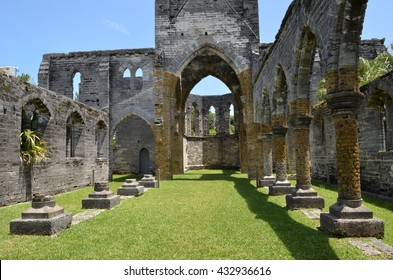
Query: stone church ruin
{"points": [[134, 111]]}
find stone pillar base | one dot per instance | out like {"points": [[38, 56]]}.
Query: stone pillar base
{"points": [[101, 198], [349, 218], [304, 198], [266, 181], [281, 188], [131, 188], [149, 181], [101, 203], [41, 226]]}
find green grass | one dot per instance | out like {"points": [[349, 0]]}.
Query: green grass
{"points": [[200, 215]]}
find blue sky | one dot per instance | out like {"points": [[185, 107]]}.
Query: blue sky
{"points": [[31, 28]]}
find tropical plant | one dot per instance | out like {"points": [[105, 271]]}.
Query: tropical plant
{"points": [[25, 78], [32, 148], [370, 70]]}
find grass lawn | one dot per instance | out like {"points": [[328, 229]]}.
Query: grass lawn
{"points": [[200, 215]]}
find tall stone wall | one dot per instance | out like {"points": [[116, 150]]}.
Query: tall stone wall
{"points": [[133, 138], [60, 172]]}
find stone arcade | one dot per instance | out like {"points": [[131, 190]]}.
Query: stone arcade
{"points": [[142, 121]]}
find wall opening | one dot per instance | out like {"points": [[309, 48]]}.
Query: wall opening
{"points": [[76, 86], [75, 136], [212, 121], [144, 161], [101, 139], [232, 126], [210, 86], [127, 73], [139, 79]]}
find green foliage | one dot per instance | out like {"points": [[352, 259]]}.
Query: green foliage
{"points": [[32, 148], [212, 123], [322, 91], [370, 70], [25, 78], [232, 124], [114, 143]]}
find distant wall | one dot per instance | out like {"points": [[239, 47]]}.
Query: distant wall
{"points": [[212, 152]]}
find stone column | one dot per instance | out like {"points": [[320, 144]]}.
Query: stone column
{"points": [[267, 149], [282, 185], [304, 196], [348, 216]]}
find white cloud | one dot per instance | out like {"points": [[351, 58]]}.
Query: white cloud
{"points": [[116, 27]]}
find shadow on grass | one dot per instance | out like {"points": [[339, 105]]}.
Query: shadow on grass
{"points": [[122, 178], [302, 242], [373, 199]]}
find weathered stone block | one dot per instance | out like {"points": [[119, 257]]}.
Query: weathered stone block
{"points": [[131, 188], [101, 203], [41, 226], [352, 227], [266, 181], [149, 181], [281, 188], [300, 202], [101, 198]]}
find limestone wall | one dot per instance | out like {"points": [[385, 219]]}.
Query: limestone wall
{"points": [[26, 106], [213, 152]]}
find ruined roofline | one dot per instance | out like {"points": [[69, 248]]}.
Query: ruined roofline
{"points": [[124, 52]]}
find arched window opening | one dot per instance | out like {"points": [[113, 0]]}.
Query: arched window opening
{"points": [[114, 143], [127, 73], [210, 86], [76, 86], [212, 121], [232, 127], [139, 73], [35, 116], [139, 79], [101, 132], [74, 136]]}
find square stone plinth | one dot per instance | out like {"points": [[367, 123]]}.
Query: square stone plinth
{"points": [[281, 188], [266, 182], [149, 181], [101, 203], [300, 202], [131, 191], [351, 227], [41, 226]]}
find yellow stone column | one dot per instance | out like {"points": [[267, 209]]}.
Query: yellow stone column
{"points": [[348, 216], [304, 196], [280, 128]]}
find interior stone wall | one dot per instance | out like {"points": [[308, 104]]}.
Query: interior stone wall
{"points": [[59, 173]]}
